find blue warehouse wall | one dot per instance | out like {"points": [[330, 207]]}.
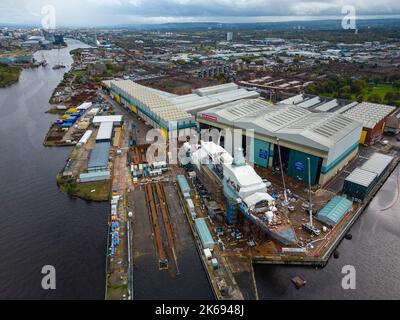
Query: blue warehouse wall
{"points": [[261, 153]]}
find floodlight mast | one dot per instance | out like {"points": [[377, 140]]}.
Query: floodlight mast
{"points": [[283, 176], [309, 192]]}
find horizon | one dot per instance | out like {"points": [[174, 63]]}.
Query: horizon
{"points": [[108, 13], [283, 20]]}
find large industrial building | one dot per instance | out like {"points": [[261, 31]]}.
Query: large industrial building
{"points": [[373, 116], [165, 111], [330, 140], [153, 108]]}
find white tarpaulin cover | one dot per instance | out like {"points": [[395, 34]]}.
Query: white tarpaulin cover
{"points": [[257, 197]]}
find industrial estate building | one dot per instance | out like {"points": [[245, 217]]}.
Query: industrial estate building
{"points": [[167, 111], [329, 140], [153, 108], [373, 116], [99, 157]]}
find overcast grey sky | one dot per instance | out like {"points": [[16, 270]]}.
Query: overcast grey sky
{"points": [[114, 12]]}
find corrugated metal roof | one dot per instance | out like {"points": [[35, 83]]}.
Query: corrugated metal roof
{"points": [[99, 156], [346, 107], [100, 119], [334, 211], [377, 163], [327, 106], [238, 109], [204, 233], [309, 103], [95, 176], [289, 122], [151, 101], [105, 131], [183, 184], [293, 100], [370, 114], [85, 138], [216, 89], [234, 95], [362, 177]]}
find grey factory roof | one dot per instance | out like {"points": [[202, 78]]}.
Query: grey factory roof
{"points": [[105, 131], [99, 156], [362, 177], [194, 103], [216, 89], [114, 119], [151, 100], [370, 114], [289, 122], [377, 163]]}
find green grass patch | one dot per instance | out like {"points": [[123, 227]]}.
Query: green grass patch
{"points": [[56, 111], [84, 190], [9, 75], [379, 91]]}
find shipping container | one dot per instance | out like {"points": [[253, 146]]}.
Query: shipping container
{"points": [[191, 208], [214, 263]]}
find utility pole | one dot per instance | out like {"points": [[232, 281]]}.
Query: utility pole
{"points": [[309, 191], [283, 176]]}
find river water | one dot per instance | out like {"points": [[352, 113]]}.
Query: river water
{"points": [[38, 224]]}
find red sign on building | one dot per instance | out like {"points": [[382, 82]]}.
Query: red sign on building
{"points": [[208, 117]]}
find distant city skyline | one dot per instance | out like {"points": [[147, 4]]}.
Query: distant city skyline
{"points": [[116, 12]]}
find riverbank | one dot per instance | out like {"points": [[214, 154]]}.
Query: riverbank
{"points": [[9, 75], [98, 191]]}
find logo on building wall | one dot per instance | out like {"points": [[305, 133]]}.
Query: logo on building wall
{"points": [[299, 166], [208, 117], [263, 154]]}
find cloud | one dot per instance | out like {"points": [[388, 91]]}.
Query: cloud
{"points": [[106, 12]]}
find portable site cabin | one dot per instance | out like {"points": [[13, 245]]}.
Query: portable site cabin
{"points": [[334, 211], [204, 233], [183, 185]]}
